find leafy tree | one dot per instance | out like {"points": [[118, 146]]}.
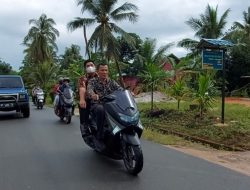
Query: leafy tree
{"points": [[152, 75], [149, 54], [238, 66], [71, 56], [129, 55], [153, 61], [245, 27], [44, 75], [41, 74], [5, 68], [238, 63], [40, 40]]}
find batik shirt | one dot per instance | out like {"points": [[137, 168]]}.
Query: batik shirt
{"points": [[83, 82], [95, 86]]}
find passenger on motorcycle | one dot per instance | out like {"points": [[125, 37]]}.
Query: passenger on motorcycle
{"points": [[97, 88], [84, 101], [56, 94], [64, 84]]}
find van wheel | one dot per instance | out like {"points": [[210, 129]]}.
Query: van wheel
{"points": [[26, 112]]}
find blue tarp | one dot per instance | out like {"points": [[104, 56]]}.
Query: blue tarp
{"points": [[214, 43]]}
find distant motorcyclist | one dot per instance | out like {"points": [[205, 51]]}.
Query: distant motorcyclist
{"points": [[64, 107], [34, 93], [64, 85], [98, 88]]}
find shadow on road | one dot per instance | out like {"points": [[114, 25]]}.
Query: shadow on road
{"points": [[9, 115], [108, 168]]}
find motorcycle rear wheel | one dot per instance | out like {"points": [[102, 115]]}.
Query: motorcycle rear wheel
{"points": [[133, 159]]}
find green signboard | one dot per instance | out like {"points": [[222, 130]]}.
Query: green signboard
{"points": [[212, 59]]}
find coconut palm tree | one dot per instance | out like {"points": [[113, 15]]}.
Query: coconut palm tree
{"points": [[71, 56], [40, 40], [105, 14], [245, 27], [205, 92], [149, 54], [44, 75], [152, 75], [179, 90], [153, 61], [207, 26]]}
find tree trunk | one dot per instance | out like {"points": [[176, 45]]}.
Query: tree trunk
{"points": [[120, 74], [86, 41], [152, 96]]}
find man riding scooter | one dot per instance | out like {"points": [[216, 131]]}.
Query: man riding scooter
{"points": [[115, 128], [97, 88]]}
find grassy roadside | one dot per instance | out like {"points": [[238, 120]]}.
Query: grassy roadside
{"points": [[236, 132], [157, 137]]}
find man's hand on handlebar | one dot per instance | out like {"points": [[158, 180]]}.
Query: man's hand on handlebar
{"points": [[95, 97]]}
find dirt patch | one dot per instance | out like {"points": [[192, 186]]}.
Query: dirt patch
{"points": [[234, 100], [238, 161], [146, 97]]}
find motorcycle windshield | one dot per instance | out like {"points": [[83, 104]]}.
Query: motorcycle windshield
{"points": [[124, 99], [68, 93], [40, 91]]}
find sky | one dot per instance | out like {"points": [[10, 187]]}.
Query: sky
{"points": [[163, 20]]}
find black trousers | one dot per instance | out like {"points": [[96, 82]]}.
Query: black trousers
{"points": [[99, 114], [84, 113]]}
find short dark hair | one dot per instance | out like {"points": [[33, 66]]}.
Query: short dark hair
{"points": [[101, 64], [87, 61]]}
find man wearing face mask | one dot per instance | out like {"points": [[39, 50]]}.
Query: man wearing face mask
{"points": [[84, 103]]}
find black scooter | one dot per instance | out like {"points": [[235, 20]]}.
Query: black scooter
{"points": [[122, 130]]}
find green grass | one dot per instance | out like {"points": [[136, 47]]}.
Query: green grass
{"points": [[155, 136], [235, 133]]}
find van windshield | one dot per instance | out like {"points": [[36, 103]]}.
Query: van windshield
{"points": [[11, 82]]}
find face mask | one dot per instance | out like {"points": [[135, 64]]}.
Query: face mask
{"points": [[90, 69]]}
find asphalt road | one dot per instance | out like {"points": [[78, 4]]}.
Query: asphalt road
{"points": [[42, 153]]}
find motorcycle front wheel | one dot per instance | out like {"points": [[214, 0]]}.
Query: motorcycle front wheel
{"points": [[133, 158], [68, 119]]}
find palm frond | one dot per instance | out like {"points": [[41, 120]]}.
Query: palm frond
{"points": [[79, 23], [188, 43], [91, 6]]}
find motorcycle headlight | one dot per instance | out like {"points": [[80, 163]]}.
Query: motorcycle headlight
{"points": [[115, 127], [127, 118]]}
